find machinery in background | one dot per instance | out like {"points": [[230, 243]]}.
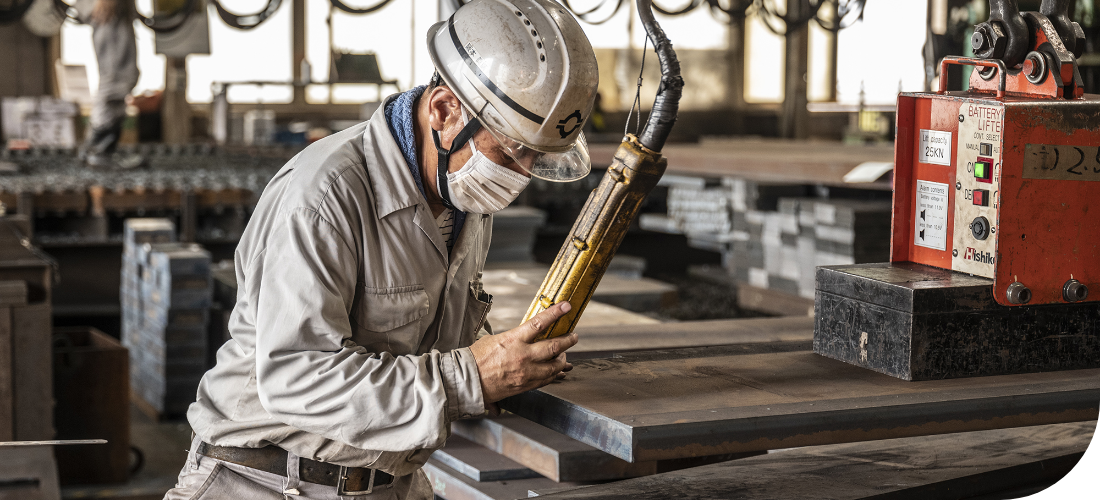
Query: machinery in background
{"points": [[994, 249], [613, 205], [26, 382]]}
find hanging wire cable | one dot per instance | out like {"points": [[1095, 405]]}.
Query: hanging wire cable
{"points": [[848, 13], [637, 95], [14, 12], [687, 8], [720, 9], [737, 9], [780, 24], [352, 10], [588, 16], [172, 21], [249, 21]]}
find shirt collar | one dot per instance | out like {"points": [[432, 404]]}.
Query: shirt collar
{"points": [[399, 117]]}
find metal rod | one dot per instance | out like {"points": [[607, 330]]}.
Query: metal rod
{"points": [[15, 444]]}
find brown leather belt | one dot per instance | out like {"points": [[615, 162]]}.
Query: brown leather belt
{"points": [[349, 481]]}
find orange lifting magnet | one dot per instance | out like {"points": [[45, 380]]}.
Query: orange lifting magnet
{"points": [[1003, 180]]}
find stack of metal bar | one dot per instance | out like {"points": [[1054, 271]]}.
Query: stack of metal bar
{"points": [[507, 457], [783, 255], [166, 312], [136, 233], [700, 209], [804, 233], [773, 235], [851, 231]]}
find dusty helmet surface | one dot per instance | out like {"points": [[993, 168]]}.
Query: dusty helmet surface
{"points": [[526, 69]]}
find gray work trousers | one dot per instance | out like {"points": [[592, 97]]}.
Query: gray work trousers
{"points": [[205, 478], [116, 54]]}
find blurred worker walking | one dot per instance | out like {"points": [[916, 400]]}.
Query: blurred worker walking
{"points": [[116, 53]]}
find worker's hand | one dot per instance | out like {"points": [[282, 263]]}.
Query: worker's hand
{"points": [[513, 362], [104, 11]]}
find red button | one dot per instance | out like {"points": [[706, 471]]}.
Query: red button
{"points": [[981, 197]]}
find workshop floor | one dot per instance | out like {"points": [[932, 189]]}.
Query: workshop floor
{"points": [[164, 448], [701, 299]]}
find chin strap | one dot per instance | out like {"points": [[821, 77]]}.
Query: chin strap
{"points": [[442, 165]]}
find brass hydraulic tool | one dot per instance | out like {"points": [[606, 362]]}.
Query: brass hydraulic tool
{"points": [[613, 205]]}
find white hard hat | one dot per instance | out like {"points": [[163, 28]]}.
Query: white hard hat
{"points": [[527, 71]]}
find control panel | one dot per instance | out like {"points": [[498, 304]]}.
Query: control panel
{"points": [[1004, 189], [977, 188]]}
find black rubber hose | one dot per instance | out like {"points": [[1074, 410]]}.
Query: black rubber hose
{"points": [[665, 106]]}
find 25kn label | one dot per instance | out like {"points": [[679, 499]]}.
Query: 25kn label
{"points": [[935, 147], [930, 219]]}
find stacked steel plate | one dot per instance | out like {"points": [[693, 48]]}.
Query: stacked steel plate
{"points": [[773, 235]]}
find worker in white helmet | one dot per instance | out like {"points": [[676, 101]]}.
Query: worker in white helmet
{"points": [[359, 332]]}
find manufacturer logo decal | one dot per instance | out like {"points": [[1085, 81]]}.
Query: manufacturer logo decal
{"points": [[561, 125], [978, 256]]}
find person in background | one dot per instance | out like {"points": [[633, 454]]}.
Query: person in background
{"points": [[116, 53]]}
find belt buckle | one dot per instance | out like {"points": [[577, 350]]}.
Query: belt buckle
{"points": [[341, 484]]}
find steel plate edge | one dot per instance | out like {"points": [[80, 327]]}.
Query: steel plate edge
{"points": [[594, 429], [669, 441]]}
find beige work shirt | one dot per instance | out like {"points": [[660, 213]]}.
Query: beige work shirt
{"points": [[352, 324]]}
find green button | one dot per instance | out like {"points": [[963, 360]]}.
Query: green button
{"points": [[979, 169]]}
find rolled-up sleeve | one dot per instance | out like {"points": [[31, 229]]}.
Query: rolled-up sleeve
{"points": [[309, 374]]}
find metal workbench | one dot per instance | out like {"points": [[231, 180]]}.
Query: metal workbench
{"points": [[704, 401]]}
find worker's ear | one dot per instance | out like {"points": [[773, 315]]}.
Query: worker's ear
{"points": [[444, 113]]}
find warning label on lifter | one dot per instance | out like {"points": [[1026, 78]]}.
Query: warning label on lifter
{"points": [[935, 147], [930, 219]]}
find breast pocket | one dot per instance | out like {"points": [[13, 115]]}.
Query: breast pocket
{"points": [[389, 319], [477, 309]]}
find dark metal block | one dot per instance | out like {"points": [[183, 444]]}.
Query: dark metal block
{"points": [[917, 322]]}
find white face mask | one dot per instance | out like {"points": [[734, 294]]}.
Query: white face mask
{"points": [[482, 186]]}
